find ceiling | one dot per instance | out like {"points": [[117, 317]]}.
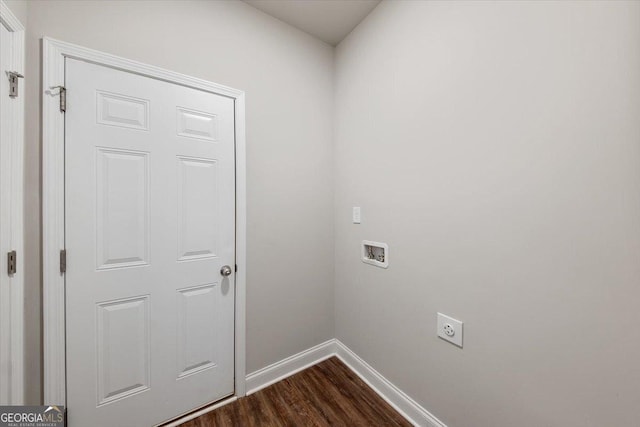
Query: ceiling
{"points": [[328, 20]]}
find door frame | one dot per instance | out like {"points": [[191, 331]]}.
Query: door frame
{"points": [[11, 221], [54, 53]]}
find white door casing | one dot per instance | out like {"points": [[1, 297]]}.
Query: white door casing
{"points": [[136, 254], [11, 211], [149, 223]]}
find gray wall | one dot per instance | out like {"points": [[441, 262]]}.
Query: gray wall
{"points": [[287, 76], [496, 148], [19, 9]]}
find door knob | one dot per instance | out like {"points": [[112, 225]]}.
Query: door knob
{"points": [[225, 271]]}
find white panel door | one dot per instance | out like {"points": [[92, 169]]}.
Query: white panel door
{"points": [[150, 222]]}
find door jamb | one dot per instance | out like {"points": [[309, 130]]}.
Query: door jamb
{"points": [[12, 223], [54, 53]]}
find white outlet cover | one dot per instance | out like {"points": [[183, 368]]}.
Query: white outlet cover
{"points": [[443, 321]]}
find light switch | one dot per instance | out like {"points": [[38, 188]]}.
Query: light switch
{"points": [[356, 215]]}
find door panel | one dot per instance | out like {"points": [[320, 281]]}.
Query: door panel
{"points": [[119, 110], [149, 212], [122, 335], [197, 307], [197, 210], [197, 124], [122, 217]]}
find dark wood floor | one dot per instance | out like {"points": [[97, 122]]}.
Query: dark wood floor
{"points": [[327, 394]]}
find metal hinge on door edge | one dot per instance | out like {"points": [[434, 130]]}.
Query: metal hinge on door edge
{"points": [[62, 91], [13, 83], [63, 261], [63, 99], [12, 263]]}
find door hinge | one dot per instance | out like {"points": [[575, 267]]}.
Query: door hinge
{"points": [[13, 83], [63, 261], [236, 268], [12, 263], [63, 99], [62, 92]]}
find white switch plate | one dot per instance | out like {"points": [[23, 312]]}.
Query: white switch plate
{"points": [[356, 215], [450, 329]]}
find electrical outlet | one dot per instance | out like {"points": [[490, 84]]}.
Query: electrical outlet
{"points": [[450, 329]]}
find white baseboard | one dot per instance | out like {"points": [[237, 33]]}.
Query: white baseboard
{"points": [[285, 368], [406, 406]]}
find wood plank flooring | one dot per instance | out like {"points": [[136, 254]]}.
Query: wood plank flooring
{"points": [[327, 394]]}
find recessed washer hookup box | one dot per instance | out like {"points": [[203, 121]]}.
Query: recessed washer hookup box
{"points": [[375, 253]]}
